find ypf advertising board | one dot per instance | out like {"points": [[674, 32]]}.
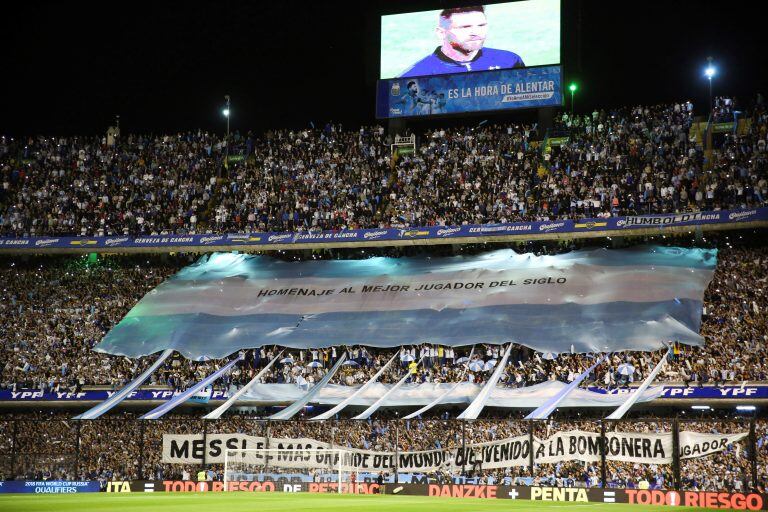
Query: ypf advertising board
{"points": [[503, 89]]}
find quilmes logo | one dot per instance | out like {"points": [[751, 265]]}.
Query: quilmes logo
{"points": [[280, 238], [111, 242], [84, 243], [742, 215], [211, 239], [591, 225], [551, 226], [415, 232], [447, 231], [244, 239], [373, 235], [46, 242]]}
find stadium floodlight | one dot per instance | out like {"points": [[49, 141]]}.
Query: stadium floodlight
{"points": [[573, 88], [710, 72], [746, 408], [700, 407], [225, 111]]}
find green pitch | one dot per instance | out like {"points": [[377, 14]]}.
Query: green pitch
{"points": [[286, 502]]}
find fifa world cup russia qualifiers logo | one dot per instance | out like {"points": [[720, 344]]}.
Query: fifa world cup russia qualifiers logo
{"points": [[396, 88]]}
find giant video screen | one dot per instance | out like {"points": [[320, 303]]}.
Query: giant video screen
{"points": [[471, 38]]}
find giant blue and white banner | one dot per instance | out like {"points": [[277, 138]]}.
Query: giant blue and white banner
{"points": [[454, 234], [501, 89], [584, 301]]}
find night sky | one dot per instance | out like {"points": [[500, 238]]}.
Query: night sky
{"points": [[69, 67]]}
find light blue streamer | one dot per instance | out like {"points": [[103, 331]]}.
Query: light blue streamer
{"points": [[121, 395], [183, 397], [296, 406], [476, 407], [216, 414], [442, 397], [329, 413], [378, 403], [635, 396], [550, 405]]}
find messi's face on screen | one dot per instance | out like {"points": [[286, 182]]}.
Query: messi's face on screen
{"points": [[464, 31]]}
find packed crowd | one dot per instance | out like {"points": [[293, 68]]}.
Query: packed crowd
{"points": [[49, 338], [641, 159], [619, 161], [45, 446]]}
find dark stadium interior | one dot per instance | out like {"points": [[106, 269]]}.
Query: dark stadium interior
{"points": [[108, 63]]}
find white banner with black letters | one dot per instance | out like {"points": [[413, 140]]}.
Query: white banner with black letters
{"points": [[563, 446]]}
